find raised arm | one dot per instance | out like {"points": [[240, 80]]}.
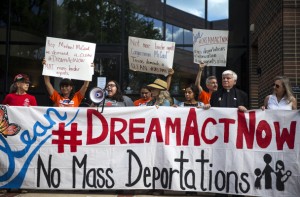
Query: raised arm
{"points": [[198, 78], [49, 86], [84, 87], [169, 78]]}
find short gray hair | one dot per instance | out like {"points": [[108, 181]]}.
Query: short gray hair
{"points": [[230, 72]]}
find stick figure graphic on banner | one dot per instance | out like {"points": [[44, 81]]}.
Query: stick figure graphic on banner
{"points": [[257, 183], [281, 177], [267, 171]]}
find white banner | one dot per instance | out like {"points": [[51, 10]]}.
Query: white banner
{"points": [[183, 149], [210, 47], [150, 56], [69, 59]]}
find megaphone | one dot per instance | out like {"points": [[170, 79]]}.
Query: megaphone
{"points": [[97, 95]]}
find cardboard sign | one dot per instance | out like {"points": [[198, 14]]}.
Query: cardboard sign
{"points": [[210, 47], [150, 56], [69, 59]]}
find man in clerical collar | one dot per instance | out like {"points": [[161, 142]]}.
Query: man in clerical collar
{"points": [[229, 95]]}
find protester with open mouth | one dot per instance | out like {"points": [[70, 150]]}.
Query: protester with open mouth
{"points": [[114, 97]]}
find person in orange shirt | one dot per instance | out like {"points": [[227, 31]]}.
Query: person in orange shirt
{"points": [[211, 84], [67, 96], [145, 97]]}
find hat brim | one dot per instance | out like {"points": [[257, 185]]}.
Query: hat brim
{"points": [[156, 86]]}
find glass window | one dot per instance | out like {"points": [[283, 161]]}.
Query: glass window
{"points": [[29, 20], [217, 10], [194, 7], [98, 21]]}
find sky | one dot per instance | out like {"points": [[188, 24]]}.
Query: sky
{"points": [[217, 9]]}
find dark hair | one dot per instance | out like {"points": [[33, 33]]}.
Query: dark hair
{"points": [[194, 89], [146, 87], [118, 96], [68, 82]]}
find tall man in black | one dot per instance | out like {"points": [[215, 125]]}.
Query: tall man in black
{"points": [[228, 95]]}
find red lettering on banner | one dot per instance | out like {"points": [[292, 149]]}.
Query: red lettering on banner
{"points": [[117, 133], [175, 128], [244, 132], [154, 127], [205, 139], [226, 122], [288, 137], [133, 130], [263, 134], [103, 134], [191, 128]]}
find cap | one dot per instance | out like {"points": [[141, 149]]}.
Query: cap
{"points": [[158, 84], [21, 77]]}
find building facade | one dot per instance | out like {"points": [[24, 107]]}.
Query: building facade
{"points": [[24, 26], [274, 46]]}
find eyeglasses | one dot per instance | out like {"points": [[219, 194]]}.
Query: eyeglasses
{"points": [[276, 85], [110, 85]]}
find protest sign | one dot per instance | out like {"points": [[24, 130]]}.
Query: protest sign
{"points": [[140, 148], [210, 47], [150, 56], [69, 59]]}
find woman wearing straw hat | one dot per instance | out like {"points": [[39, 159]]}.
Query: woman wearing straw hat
{"points": [[160, 94]]}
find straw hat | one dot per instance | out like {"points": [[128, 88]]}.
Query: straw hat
{"points": [[158, 84]]}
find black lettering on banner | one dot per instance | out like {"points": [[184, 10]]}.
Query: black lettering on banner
{"points": [[74, 163], [228, 181], [181, 161], [186, 178], [147, 173], [131, 153], [220, 188], [202, 162], [93, 177], [243, 175], [49, 174]]}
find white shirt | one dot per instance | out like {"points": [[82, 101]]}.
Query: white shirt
{"points": [[282, 104]]}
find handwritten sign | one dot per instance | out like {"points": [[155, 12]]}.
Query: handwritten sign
{"points": [[69, 59], [150, 56], [220, 150], [210, 47]]}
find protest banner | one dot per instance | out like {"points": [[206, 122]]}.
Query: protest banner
{"points": [[181, 149], [210, 47], [69, 59], [150, 56]]}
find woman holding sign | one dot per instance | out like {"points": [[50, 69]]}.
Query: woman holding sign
{"points": [[67, 96]]}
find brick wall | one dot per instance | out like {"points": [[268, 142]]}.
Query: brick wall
{"points": [[274, 46]]}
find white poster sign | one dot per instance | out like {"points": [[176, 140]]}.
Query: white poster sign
{"points": [[210, 47], [150, 56], [69, 59], [219, 150]]}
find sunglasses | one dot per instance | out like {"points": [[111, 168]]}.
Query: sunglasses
{"points": [[276, 85]]}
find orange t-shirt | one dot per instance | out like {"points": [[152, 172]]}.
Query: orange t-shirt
{"points": [[204, 97], [141, 102], [60, 101]]}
